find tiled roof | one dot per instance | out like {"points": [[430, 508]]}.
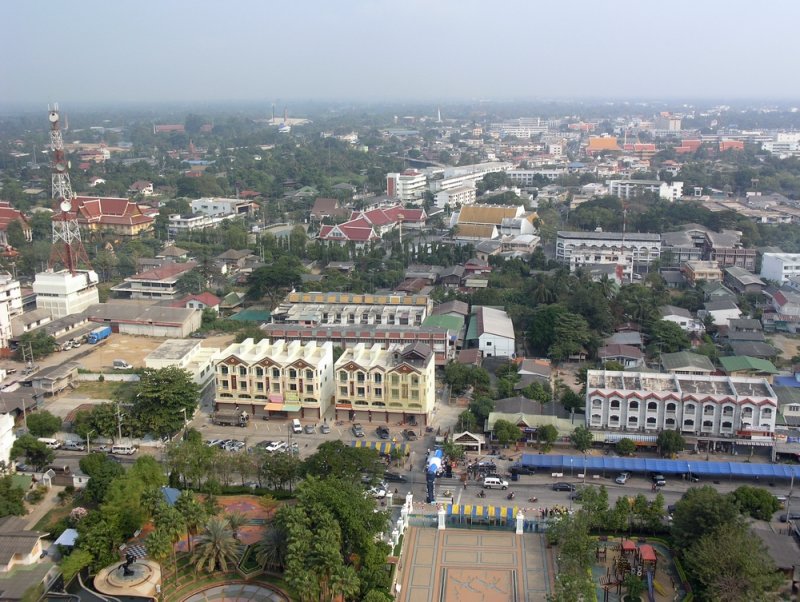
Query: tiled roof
{"points": [[106, 210], [485, 214], [8, 214], [165, 272]]}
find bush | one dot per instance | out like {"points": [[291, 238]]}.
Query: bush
{"points": [[37, 495]]}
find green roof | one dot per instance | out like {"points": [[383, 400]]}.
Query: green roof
{"points": [[252, 315], [684, 360], [745, 363], [472, 329], [451, 323]]}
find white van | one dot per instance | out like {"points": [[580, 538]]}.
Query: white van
{"points": [[122, 365], [123, 450], [296, 428], [50, 443], [490, 482]]}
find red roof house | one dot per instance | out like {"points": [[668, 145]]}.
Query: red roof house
{"points": [[120, 216], [8, 215]]}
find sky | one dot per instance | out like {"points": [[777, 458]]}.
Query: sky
{"points": [[151, 51]]}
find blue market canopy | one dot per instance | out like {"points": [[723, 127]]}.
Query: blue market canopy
{"points": [[699, 467], [383, 447]]}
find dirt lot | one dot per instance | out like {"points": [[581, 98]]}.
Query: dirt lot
{"points": [[219, 341], [788, 344], [132, 349]]}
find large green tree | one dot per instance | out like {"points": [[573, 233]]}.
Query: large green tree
{"points": [[582, 438], [162, 399], [571, 332], [700, 511], [756, 502], [11, 498], [668, 337], [340, 461], [38, 342], [272, 281], [730, 564], [101, 470], [506, 432], [36, 453], [43, 424], [670, 443]]}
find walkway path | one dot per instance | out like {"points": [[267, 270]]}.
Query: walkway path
{"points": [[49, 502]]}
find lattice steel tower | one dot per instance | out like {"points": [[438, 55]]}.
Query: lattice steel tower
{"points": [[67, 245]]}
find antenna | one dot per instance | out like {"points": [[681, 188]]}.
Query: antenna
{"points": [[67, 246]]}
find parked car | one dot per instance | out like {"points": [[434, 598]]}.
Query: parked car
{"points": [[394, 477], [198, 335], [378, 492], [276, 446], [622, 478], [310, 429], [563, 487], [74, 446], [576, 495], [11, 370], [357, 429], [490, 482], [409, 435], [791, 516], [659, 480], [325, 429], [383, 432], [520, 469]]}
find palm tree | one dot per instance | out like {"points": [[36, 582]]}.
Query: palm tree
{"points": [[194, 514], [236, 520], [215, 546], [159, 545], [271, 550]]}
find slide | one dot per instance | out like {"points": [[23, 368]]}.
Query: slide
{"points": [[650, 595]]}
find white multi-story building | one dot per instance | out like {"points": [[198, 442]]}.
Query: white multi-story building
{"points": [[7, 437], [530, 177], [287, 379], [218, 206], [463, 195], [626, 189], [10, 306], [780, 266], [388, 384], [178, 224], [631, 249], [464, 175], [63, 294], [784, 144], [714, 406], [186, 354], [524, 127], [408, 186]]}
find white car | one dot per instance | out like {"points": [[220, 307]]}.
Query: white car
{"points": [[622, 478], [276, 446], [378, 492]]}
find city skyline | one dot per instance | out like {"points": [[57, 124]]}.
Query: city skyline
{"points": [[412, 51]]}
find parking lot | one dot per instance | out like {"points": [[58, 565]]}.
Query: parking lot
{"points": [[132, 349]]}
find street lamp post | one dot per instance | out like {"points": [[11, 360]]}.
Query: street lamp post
{"points": [[689, 468], [88, 447], [571, 472], [185, 422], [584, 468]]}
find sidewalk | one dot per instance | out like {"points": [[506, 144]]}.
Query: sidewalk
{"points": [[49, 502]]}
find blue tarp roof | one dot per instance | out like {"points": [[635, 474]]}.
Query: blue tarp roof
{"points": [[699, 467]]}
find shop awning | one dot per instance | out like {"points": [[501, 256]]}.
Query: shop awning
{"points": [[382, 447], [275, 398], [484, 512], [274, 407], [291, 407]]}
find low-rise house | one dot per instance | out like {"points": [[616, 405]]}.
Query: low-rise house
{"points": [[735, 365], [716, 291], [54, 379], [452, 276], [682, 317], [754, 349], [742, 281], [491, 331], [186, 354], [202, 301], [328, 208], [8, 216], [627, 355], [18, 545], [685, 362], [627, 337], [721, 312], [173, 253], [452, 308], [141, 187], [235, 260]]}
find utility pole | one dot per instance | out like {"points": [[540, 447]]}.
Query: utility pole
{"points": [[119, 423], [789, 503]]}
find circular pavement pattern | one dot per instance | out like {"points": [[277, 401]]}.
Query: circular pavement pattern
{"points": [[240, 592]]}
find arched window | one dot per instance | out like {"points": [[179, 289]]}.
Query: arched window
{"points": [[633, 420], [634, 405], [671, 406], [651, 421], [669, 423], [688, 424], [689, 408], [652, 406], [707, 425], [727, 425], [615, 404]]}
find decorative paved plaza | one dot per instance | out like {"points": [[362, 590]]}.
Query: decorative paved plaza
{"points": [[472, 565]]}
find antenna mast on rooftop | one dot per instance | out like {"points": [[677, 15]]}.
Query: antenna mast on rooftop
{"points": [[67, 245]]}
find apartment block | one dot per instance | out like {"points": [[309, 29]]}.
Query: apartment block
{"points": [[282, 379], [319, 309], [628, 249], [715, 406], [408, 186], [626, 189], [780, 266], [707, 271], [373, 383]]}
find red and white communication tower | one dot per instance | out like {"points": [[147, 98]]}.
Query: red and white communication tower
{"points": [[67, 245]]}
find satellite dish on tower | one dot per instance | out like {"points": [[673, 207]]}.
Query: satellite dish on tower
{"points": [[66, 206], [53, 116]]}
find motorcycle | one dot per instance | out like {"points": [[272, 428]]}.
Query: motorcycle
{"points": [[482, 493], [510, 496], [533, 499]]}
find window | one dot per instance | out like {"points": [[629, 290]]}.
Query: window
{"points": [[596, 418], [727, 425], [276, 388], [651, 421], [360, 377], [395, 379], [395, 393], [276, 373], [292, 373], [613, 420], [707, 425], [708, 410], [652, 406], [688, 424], [378, 378], [259, 371], [259, 386], [766, 413], [633, 420], [689, 408], [415, 381], [794, 408], [596, 403], [309, 374], [669, 423], [293, 387], [224, 369], [309, 388], [747, 412], [342, 390], [670, 407], [727, 411], [634, 405], [615, 404], [224, 384], [342, 376], [378, 392], [242, 371]]}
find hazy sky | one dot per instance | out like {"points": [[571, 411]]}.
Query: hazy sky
{"points": [[439, 50]]}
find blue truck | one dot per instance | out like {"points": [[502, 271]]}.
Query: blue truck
{"points": [[98, 334]]}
